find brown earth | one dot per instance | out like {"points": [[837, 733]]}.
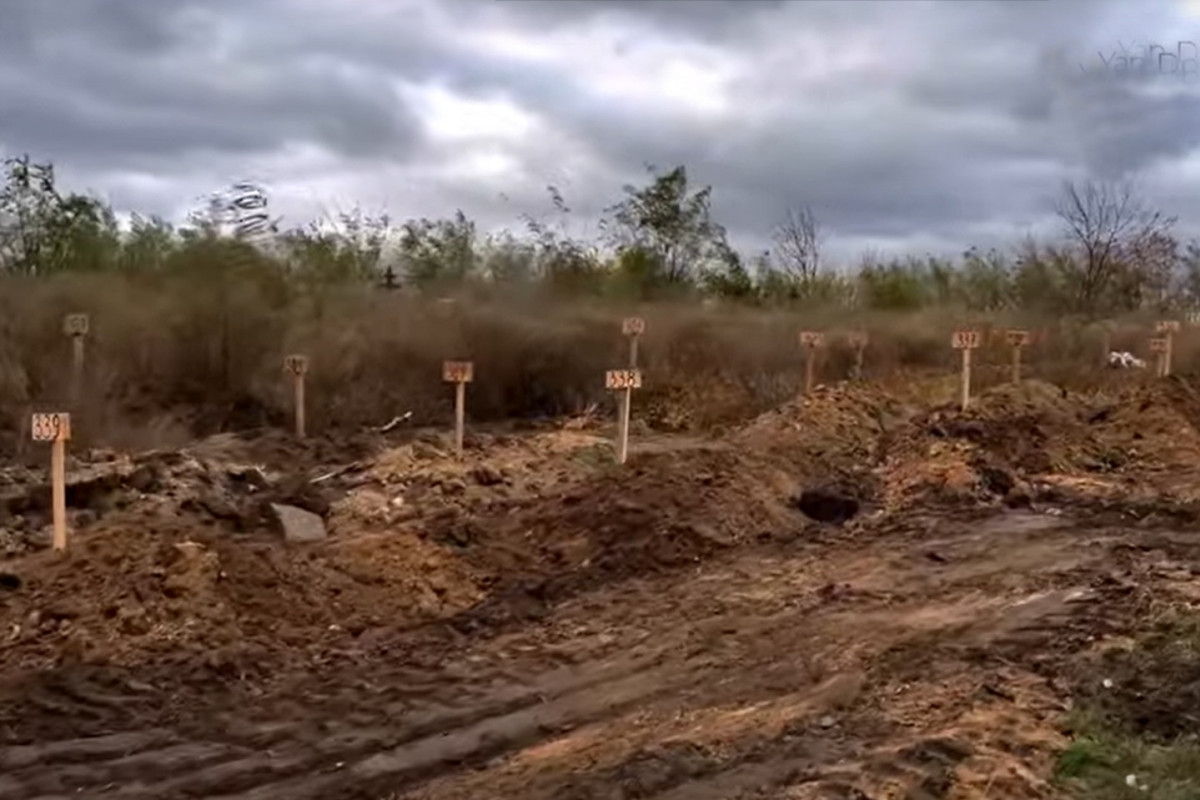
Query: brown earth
{"points": [[862, 594]]}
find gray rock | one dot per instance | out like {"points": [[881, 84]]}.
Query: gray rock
{"points": [[298, 525]]}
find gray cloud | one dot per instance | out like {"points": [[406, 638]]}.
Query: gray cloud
{"points": [[895, 121], [151, 83]]}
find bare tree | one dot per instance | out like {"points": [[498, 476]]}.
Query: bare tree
{"points": [[798, 241], [1111, 226]]}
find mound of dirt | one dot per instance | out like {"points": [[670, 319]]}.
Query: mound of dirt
{"points": [[667, 509], [184, 567], [158, 592], [1008, 435], [675, 506], [842, 423]]}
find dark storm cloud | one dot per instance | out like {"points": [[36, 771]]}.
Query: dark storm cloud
{"points": [[890, 119], [140, 82]]}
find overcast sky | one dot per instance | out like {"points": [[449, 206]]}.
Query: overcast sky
{"points": [[906, 126]]}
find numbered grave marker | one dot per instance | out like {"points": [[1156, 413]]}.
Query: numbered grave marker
{"points": [[625, 381], [966, 341], [51, 427], [1017, 339], [1168, 328], [858, 340], [810, 341], [633, 326], [460, 373], [56, 429], [812, 338], [297, 366], [76, 325], [1158, 344]]}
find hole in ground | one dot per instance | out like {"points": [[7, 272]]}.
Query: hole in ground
{"points": [[827, 505]]}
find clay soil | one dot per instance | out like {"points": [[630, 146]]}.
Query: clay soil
{"points": [[865, 594]]}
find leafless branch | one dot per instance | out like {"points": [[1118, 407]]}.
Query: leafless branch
{"points": [[798, 241]]}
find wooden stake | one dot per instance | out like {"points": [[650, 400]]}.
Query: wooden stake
{"points": [[1017, 340], [76, 326], [858, 340], [623, 428], [633, 327], [299, 392], [56, 429], [460, 416], [1158, 346], [966, 378], [625, 380], [77, 370], [810, 341], [1168, 328], [297, 365], [460, 373], [58, 478], [966, 341]]}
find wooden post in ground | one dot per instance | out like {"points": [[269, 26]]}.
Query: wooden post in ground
{"points": [[810, 341], [56, 429], [625, 381], [1017, 340], [633, 328], [1168, 328], [76, 326], [297, 365], [966, 341], [858, 340], [460, 373], [1158, 346]]}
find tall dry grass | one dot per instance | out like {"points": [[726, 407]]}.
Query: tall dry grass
{"points": [[177, 356]]}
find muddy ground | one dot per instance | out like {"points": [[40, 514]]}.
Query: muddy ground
{"points": [[867, 594]]}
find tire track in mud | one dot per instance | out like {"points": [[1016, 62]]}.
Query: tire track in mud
{"points": [[706, 651], [513, 716]]}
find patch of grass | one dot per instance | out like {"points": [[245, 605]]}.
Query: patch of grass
{"points": [[1110, 744], [1099, 763]]}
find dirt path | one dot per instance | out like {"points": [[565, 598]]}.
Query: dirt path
{"points": [[911, 660]]}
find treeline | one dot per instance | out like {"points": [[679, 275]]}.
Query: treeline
{"points": [[658, 242]]}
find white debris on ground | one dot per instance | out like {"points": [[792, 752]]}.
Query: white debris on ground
{"points": [[1125, 360]]}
